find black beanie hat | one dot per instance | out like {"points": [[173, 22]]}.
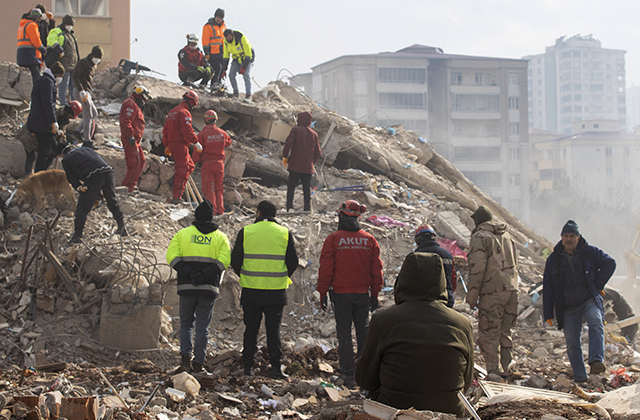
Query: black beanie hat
{"points": [[570, 227], [219, 13], [68, 20], [204, 212], [482, 215], [96, 51]]}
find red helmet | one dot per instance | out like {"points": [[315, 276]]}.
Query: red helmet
{"points": [[76, 106], [210, 116], [425, 229], [352, 208], [191, 98]]}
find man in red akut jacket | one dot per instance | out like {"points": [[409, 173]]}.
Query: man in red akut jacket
{"points": [[213, 141], [350, 265], [131, 132], [177, 134], [301, 151]]}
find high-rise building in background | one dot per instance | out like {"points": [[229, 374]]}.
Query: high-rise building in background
{"points": [[575, 80], [473, 110], [633, 108]]}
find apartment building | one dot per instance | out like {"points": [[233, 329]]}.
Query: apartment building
{"points": [[473, 110], [575, 80]]}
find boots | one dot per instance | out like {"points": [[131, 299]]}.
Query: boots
{"points": [[122, 230], [185, 365], [505, 360], [277, 373], [347, 380]]}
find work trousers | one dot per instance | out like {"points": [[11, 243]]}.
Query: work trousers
{"points": [[66, 84], [28, 163], [135, 160], [99, 182], [212, 172], [496, 317], [46, 150], [350, 308], [183, 166], [216, 66], [199, 310], [194, 76], [573, 336], [294, 178], [233, 72], [252, 319], [35, 72], [89, 116]]}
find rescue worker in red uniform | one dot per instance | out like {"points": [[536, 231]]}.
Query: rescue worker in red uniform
{"points": [[30, 48], [213, 140], [213, 43], [131, 132], [192, 66], [177, 134], [350, 269]]}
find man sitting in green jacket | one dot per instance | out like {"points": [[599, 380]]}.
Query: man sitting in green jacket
{"points": [[418, 353]]}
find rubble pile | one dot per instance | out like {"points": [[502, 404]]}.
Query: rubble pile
{"points": [[109, 305]]}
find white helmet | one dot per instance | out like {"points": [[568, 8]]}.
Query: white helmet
{"points": [[192, 38]]}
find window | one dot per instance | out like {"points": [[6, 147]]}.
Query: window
{"points": [[575, 54], [82, 7], [577, 75], [479, 79], [457, 129], [566, 98], [626, 152], [513, 103], [477, 153], [514, 180], [402, 74], [515, 204], [361, 101], [456, 78], [360, 75], [577, 108], [609, 172], [514, 129], [565, 55], [469, 102], [566, 109], [402, 100], [515, 154], [577, 98], [513, 78], [577, 86], [597, 87], [608, 150]]}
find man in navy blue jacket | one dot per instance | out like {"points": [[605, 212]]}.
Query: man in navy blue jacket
{"points": [[90, 175], [573, 285], [426, 241], [42, 118]]}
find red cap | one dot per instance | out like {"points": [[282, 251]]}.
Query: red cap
{"points": [[425, 229]]}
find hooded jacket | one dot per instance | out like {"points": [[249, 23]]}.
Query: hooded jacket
{"points": [[43, 104], [83, 74], [492, 260], [449, 270], [418, 353], [589, 263], [239, 49], [302, 146], [131, 120], [67, 41], [213, 39]]}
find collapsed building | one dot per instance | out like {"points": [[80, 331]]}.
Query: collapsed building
{"points": [[109, 306]]}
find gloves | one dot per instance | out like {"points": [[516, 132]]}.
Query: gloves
{"points": [[550, 322], [285, 162], [60, 133], [55, 128], [224, 74], [602, 293], [84, 95], [373, 303], [198, 147], [62, 54], [323, 303], [167, 152], [242, 70], [207, 57], [201, 69], [196, 277], [132, 141], [81, 188], [209, 71]]}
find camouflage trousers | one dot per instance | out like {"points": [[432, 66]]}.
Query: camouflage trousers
{"points": [[496, 317]]}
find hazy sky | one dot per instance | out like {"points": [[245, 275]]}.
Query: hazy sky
{"points": [[294, 35]]}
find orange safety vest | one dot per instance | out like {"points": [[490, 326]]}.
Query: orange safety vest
{"points": [[215, 40], [25, 41]]}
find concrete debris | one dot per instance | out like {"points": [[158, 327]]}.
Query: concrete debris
{"points": [[109, 306]]}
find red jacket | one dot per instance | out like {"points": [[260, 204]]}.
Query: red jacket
{"points": [[302, 147], [350, 263], [178, 126], [190, 59], [131, 120], [213, 140]]}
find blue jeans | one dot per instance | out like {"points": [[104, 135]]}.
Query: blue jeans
{"points": [[67, 82], [235, 66], [198, 309], [573, 333]]}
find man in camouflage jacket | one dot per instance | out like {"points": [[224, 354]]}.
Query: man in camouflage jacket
{"points": [[493, 278]]}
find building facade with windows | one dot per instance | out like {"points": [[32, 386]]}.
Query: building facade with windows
{"points": [[600, 160], [575, 80], [473, 110], [98, 22], [633, 109]]}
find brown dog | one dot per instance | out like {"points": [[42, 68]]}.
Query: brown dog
{"points": [[40, 185]]}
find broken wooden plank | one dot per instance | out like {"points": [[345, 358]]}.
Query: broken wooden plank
{"points": [[51, 367], [494, 388], [621, 324], [525, 314], [328, 135], [66, 277]]}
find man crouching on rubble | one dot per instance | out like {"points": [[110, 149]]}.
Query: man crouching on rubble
{"points": [[573, 286], [418, 353], [200, 254]]}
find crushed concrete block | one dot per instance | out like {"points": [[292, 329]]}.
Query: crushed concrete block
{"points": [[133, 328], [540, 353], [25, 220]]}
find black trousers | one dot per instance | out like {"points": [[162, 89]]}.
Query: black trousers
{"points": [[194, 76], [216, 66], [46, 150], [348, 308], [252, 320], [28, 163], [294, 177], [35, 72], [100, 182]]}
